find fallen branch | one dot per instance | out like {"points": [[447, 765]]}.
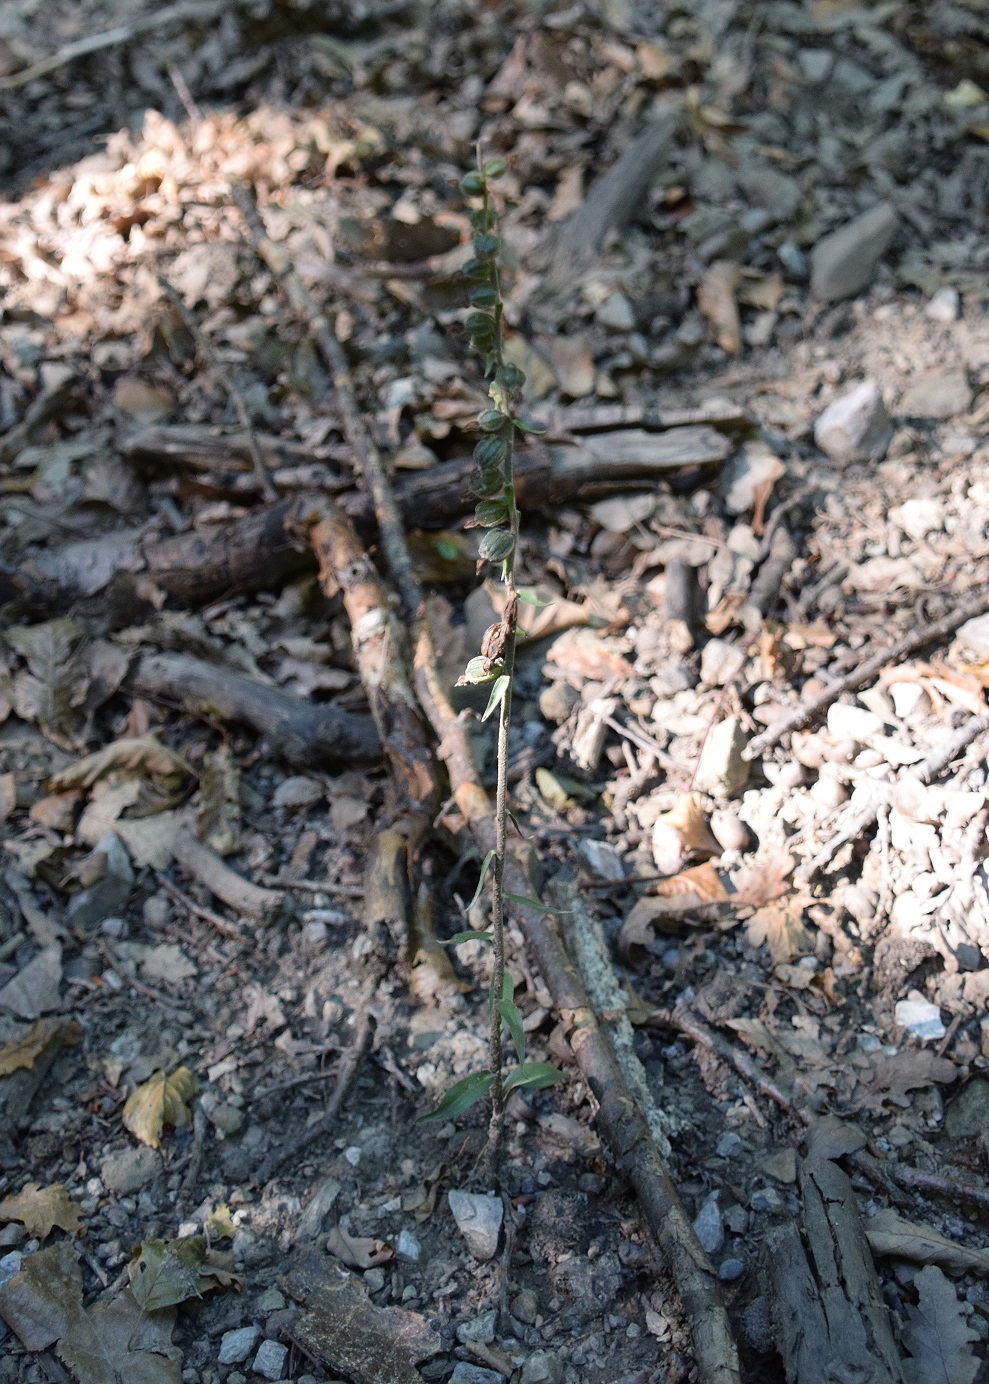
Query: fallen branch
{"points": [[305, 733], [867, 671], [204, 865]]}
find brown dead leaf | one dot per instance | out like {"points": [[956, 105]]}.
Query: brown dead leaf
{"points": [[889, 1233], [358, 1252], [682, 832], [764, 878], [40, 1209], [762, 291], [141, 401], [8, 796], [892, 1077], [701, 880], [159, 1102], [716, 300], [24, 1052], [139, 753], [780, 925], [421, 1200]]}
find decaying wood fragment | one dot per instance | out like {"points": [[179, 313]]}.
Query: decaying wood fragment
{"points": [[238, 893], [830, 1318], [304, 732]]}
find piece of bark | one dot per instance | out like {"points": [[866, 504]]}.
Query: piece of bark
{"points": [[611, 202], [765, 589], [304, 733], [192, 447], [581, 418], [830, 1318]]}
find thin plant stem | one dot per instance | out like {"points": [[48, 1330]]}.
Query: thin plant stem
{"points": [[496, 1134]]}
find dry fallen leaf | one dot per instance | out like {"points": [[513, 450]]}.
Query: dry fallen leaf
{"points": [[700, 880], [889, 1233], [159, 1102], [937, 1334], [40, 1209], [716, 300], [682, 832], [764, 878], [132, 754], [780, 925], [358, 1252], [164, 1273], [24, 1052]]}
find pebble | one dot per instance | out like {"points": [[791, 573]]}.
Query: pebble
{"points": [[374, 1279], [815, 63], [722, 771], [848, 722], [408, 1246], [828, 792], [845, 262], [920, 1018], [709, 1226], [782, 1165], [731, 1269], [793, 259], [918, 518], [736, 1219], [974, 636], [479, 1220], [465, 1373], [10, 1266], [236, 1346], [271, 1300], [729, 1145], [542, 1367], [525, 1307], [720, 661], [729, 831], [130, 1169], [766, 1199], [944, 306], [942, 394], [616, 313], [480, 1328], [557, 701], [603, 858], [228, 1119], [269, 1362], [855, 426]]}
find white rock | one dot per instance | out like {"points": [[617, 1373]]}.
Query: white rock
{"points": [[828, 792], [753, 466], [478, 1219], [237, 1345], [941, 394], [408, 1246], [729, 830], [617, 313], [918, 518], [944, 306], [270, 1360], [855, 426], [919, 1017], [847, 722], [974, 636], [722, 771], [603, 858], [720, 662]]}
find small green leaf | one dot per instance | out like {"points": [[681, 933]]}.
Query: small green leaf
{"points": [[483, 296], [491, 513], [502, 684], [535, 904], [473, 184], [461, 1096], [530, 598], [537, 429], [496, 545], [471, 934], [513, 1022], [509, 377], [485, 867], [532, 1076], [479, 321], [483, 219], [492, 420], [494, 168]]}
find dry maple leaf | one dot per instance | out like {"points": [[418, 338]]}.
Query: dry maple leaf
{"points": [[24, 1052], [780, 925], [159, 1102], [764, 878], [702, 880], [40, 1209]]}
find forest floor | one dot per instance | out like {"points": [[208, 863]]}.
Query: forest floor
{"points": [[764, 491]]}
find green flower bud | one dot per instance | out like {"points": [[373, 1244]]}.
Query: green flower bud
{"points": [[509, 377], [486, 482], [494, 168], [483, 219], [483, 296], [479, 321], [491, 451], [490, 513], [473, 184], [477, 269], [496, 545], [491, 420], [486, 244], [478, 670]]}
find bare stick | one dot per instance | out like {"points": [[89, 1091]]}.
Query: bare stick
{"points": [[112, 38], [221, 372], [208, 916], [239, 893], [867, 671]]}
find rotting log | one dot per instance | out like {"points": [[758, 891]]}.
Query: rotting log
{"points": [[305, 733]]}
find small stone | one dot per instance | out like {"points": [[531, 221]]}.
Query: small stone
{"points": [[729, 831], [130, 1169], [919, 1017], [918, 518], [968, 1113], [943, 306], [815, 63], [906, 697], [942, 394], [766, 1199], [974, 637], [480, 1328], [709, 1226], [845, 262], [479, 1220], [228, 1119], [542, 1367], [793, 259], [10, 1266], [720, 662], [271, 1300], [573, 364], [465, 1373], [729, 1145], [108, 895], [557, 701], [408, 1246], [722, 771], [603, 858], [525, 1307], [616, 313], [781, 1165], [236, 1346], [855, 426], [374, 1280], [270, 1360], [736, 1219], [847, 722], [730, 1269]]}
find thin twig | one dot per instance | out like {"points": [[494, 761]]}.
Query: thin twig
{"points": [[315, 886], [208, 916], [217, 368], [867, 671]]}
